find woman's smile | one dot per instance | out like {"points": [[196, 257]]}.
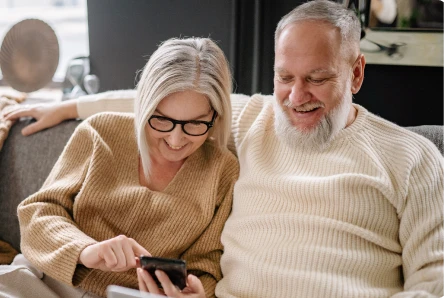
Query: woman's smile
{"points": [[174, 148]]}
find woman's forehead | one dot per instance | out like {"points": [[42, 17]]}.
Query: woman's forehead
{"points": [[184, 105]]}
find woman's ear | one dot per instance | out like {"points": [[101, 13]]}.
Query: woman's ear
{"points": [[358, 74], [212, 129]]}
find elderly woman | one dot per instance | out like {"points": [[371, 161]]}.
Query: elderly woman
{"points": [[158, 182]]}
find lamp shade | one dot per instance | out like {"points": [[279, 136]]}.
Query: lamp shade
{"points": [[29, 55]]}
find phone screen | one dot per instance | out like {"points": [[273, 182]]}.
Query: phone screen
{"points": [[174, 268]]}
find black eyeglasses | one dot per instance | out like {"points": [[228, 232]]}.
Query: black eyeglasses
{"points": [[191, 127]]}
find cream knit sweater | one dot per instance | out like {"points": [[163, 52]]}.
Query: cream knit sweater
{"points": [[364, 218], [93, 194]]}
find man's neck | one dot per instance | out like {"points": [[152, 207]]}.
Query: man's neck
{"points": [[351, 116]]}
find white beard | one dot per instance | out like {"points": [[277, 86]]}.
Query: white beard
{"points": [[316, 138]]}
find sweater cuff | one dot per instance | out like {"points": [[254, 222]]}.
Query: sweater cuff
{"points": [[78, 272], [209, 284]]}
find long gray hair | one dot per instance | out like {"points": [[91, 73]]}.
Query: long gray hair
{"points": [[327, 11], [196, 64]]}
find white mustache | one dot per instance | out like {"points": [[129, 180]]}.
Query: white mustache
{"points": [[308, 106]]}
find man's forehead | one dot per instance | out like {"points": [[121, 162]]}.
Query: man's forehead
{"points": [[318, 70], [306, 37]]}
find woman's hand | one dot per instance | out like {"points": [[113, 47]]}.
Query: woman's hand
{"points": [[194, 288], [46, 115], [117, 254]]}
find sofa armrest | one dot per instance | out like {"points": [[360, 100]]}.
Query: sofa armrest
{"points": [[435, 133]]}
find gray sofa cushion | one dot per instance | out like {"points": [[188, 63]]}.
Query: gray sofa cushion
{"points": [[435, 133], [25, 162]]}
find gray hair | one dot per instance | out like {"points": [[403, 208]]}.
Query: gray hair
{"points": [[196, 64], [326, 11]]}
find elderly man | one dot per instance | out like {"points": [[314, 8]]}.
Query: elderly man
{"points": [[332, 201]]}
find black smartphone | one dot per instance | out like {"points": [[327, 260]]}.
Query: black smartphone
{"points": [[174, 268]]}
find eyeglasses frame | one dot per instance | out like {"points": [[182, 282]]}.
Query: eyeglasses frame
{"points": [[209, 124]]}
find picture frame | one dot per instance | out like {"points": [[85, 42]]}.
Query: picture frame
{"points": [[419, 42]]}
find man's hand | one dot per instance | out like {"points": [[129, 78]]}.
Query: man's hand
{"points": [[46, 115], [117, 254], [194, 288]]}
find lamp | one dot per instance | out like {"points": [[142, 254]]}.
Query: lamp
{"points": [[29, 55]]}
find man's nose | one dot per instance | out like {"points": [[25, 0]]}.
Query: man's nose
{"points": [[300, 93]]}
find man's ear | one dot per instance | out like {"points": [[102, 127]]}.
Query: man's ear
{"points": [[358, 74]]}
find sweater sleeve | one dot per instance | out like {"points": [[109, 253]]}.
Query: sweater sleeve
{"points": [[110, 101], [203, 257], [238, 102], [50, 238], [421, 228]]}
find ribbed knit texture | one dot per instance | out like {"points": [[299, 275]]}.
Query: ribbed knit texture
{"points": [[353, 221], [93, 194]]}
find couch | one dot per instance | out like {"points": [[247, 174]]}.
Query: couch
{"points": [[25, 162]]}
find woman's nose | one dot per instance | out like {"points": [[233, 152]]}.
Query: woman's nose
{"points": [[176, 135]]}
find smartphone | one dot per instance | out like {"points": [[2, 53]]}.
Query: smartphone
{"points": [[174, 268]]}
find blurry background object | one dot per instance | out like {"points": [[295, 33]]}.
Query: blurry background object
{"points": [[404, 32], [427, 14], [422, 15], [91, 84], [29, 55], [68, 19], [382, 12], [392, 50], [76, 71], [78, 80]]}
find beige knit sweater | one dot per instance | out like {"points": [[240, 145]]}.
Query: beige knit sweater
{"points": [[93, 194], [362, 219]]}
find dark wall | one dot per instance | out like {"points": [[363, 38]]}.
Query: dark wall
{"points": [[406, 95], [255, 43], [123, 34]]}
